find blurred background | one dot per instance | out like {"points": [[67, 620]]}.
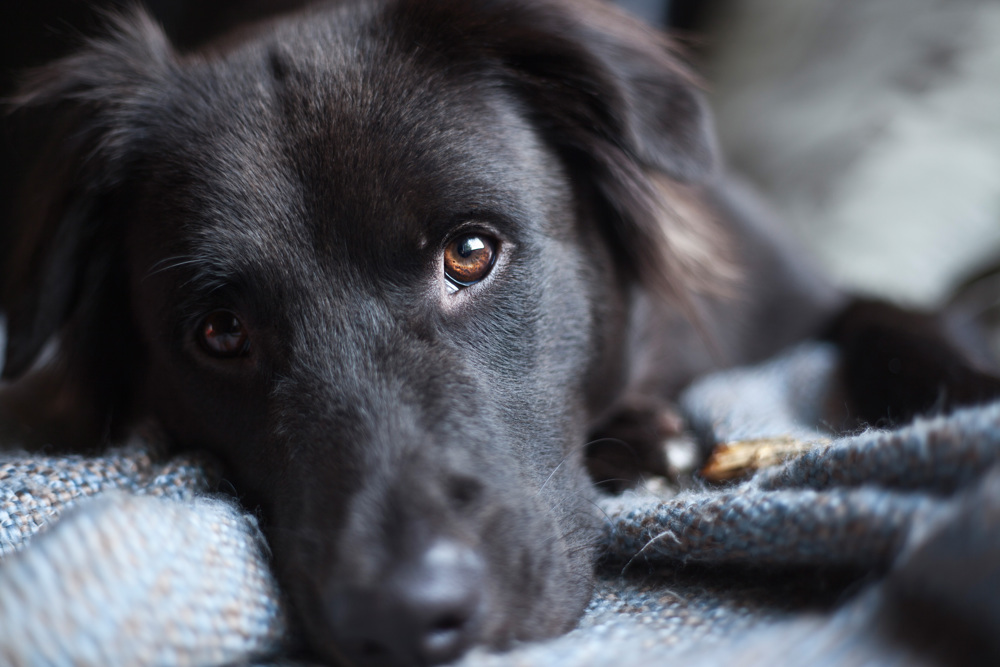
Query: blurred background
{"points": [[871, 126]]}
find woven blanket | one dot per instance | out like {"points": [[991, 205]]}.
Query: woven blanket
{"points": [[882, 547]]}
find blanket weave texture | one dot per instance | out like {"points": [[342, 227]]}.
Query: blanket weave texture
{"points": [[131, 559]]}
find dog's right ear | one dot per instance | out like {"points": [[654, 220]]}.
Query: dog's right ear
{"points": [[61, 287]]}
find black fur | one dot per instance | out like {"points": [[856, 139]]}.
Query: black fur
{"points": [[417, 454]]}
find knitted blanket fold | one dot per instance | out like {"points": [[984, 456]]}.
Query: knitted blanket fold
{"points": [[128, 559], [123, 560]]}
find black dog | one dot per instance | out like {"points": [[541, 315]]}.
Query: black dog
{"points": [[396, 262]]}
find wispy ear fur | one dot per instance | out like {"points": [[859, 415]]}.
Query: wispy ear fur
{"points": [[614, 97], [64, 284]]}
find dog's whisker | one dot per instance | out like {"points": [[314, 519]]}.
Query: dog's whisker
{"points": [[572, 452], [590, 501], [551, 475]]}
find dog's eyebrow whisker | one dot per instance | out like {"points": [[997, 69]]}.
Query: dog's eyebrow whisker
{"points": [[216, 288], [170, 263], [204, 274]]}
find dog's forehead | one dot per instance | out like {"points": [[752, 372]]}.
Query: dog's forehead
{"points": [[328, 135]]}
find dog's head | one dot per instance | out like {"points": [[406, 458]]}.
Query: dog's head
{"points": [[380, 257]]}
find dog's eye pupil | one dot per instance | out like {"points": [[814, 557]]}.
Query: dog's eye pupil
{"points": [[223, 335], [469, 258]]}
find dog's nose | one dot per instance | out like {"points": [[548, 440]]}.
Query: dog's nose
{"points": [[426, 611]]}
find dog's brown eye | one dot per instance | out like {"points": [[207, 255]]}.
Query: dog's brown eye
{"points": [[469, 258], [223, 335]]}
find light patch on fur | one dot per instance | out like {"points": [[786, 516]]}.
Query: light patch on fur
{"points": [[694, 240]]}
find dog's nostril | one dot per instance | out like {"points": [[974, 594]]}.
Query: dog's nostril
{"points": [[449, 623], [464, 490], [447, 635]]}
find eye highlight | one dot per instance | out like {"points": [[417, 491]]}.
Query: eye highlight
{"points": [[222, 335], [469, 258]]}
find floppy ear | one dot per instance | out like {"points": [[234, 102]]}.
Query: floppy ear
{"points": [[63, 286], [612, 95]]}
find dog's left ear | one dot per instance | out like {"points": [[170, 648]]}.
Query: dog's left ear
{"points": [[64, 293], [613, 97]]}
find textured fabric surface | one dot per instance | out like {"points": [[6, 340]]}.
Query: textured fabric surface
{"points": [[128, 559], [35, 491], [135, 564], [137, 580]]}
